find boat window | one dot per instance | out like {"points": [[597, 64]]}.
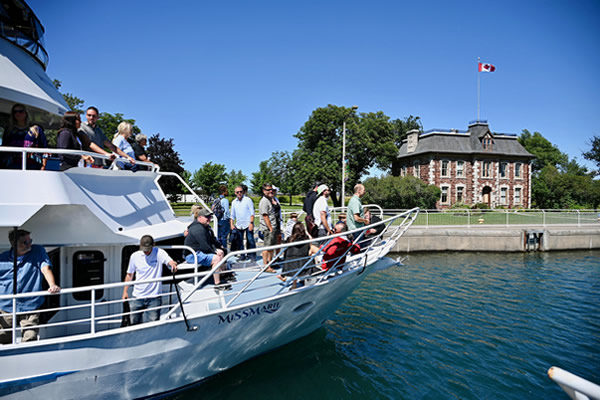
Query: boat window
{"points": [[88, 270]]}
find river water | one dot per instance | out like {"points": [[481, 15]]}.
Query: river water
{"points": [[442, 326]]}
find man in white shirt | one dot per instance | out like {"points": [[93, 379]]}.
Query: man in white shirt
{"points": [[242, 221], [321, 212], [146, 264]]}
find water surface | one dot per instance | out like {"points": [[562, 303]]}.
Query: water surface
{"points": [[443, 326]]}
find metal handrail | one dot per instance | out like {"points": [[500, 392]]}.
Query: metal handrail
{"points": [[93, 305], [26, 150]]}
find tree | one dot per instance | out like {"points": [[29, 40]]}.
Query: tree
{"points": [[400, 192], [261, 176], [234, 179], [554, 189], [594, 153], [109, 123], [400, 128], [369, 142], [75, 103], [545, 152], [209, 177], [162, 152]]}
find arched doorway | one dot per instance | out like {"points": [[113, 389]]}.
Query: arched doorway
{"points": [[486, 196]]}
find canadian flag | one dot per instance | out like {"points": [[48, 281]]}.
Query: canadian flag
{"points": [[486, 67]]}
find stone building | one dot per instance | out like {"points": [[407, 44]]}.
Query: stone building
{"points": [[473, 166]]}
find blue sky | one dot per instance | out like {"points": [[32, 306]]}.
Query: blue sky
{"points": [[233, 81]]}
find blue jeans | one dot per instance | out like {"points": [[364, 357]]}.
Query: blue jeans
{"points": [[237, 242], [224, 229], [143, 304]]}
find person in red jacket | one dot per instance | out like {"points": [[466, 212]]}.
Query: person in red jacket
{"points": [[337, 248]]}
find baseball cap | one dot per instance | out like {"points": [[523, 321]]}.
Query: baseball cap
{"points": [[146, 243]]}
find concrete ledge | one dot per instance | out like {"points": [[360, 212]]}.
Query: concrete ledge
{"points": [[497, 239]]}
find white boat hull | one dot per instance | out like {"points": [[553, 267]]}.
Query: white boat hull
{"points": [[163, 356]]}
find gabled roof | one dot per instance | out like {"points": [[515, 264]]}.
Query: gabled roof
{"points": [[455, 142]]}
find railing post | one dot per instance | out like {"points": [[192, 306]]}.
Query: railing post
{"points": [[578, 218], [543, 218], [468, 218], [426, 219], [24, 160], [506, 211], [14, 321], [93, 312]]}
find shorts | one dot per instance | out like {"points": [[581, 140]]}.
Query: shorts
{"points": [[203, 259], [271, 237]]}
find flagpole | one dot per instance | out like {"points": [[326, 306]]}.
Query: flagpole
{"points": [[478, 86]]}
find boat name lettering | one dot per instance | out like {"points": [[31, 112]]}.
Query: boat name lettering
{"points": [[267, 308]]}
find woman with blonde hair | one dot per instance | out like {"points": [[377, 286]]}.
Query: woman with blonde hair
{"points": [[124, 132]]}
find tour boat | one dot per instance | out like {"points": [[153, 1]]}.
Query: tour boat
{"points": [[90, 221]]}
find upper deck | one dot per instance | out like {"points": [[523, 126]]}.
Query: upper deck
{"points": [[85, 206]]}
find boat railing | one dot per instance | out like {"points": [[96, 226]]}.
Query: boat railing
{"points": [[335, 211], [576, 387], [254, 282], [27, 152]]}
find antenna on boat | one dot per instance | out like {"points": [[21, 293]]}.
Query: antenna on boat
{"points": [[187, 324]]}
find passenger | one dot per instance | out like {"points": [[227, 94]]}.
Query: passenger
{"points": [[309, 202], [356, 215], [221, 210], [287, 232], [321, 212], [242, 222], [146, 263], [69, 138], [279, 215], [338, 247], [21, 134], [373, 232], [139, 147], [269, 209], [296, 256], [97, 140], [121, 140], [32, 263], [202, 240], [342, 218]]}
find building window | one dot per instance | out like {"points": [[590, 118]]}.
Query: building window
{"points": [[518, 196], [417, 168], [403, 171], [518, 170], [502, 169], [445, 195], [486, 142], [485, 170], [503, 195], [445, 164], [460, 169], [460, 194]]}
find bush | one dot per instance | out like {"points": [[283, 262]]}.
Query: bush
{"points": [[394, 192], [480, 206]]}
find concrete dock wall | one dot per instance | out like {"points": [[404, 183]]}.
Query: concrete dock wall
{"points": [[497, 239]]}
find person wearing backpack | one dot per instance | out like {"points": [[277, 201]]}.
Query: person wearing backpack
{"points": [[220, 209]]}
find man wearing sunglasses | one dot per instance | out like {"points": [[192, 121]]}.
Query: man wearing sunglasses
{"points": [[99, 141], [32, 263]]}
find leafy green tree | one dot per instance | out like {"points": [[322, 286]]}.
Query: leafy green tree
{"points": [[162, 152], [594, 153], [400, 192], [545, 152], [554, 189], [109, 123], [235, 178], [369, 142], [75, 103], [261, 176], [401, 127], [209, 177]]}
